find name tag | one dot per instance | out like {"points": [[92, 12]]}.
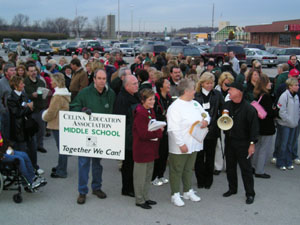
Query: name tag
{"points": [[206, 105]]}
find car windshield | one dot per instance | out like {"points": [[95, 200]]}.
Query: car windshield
{"points": [[44, 46], [191, 52], [263, 53], [94, 44], [35, 43], [72, 44], [82, 44], [55, 45], [293, 51], [159, 48], [13, 45], [124, 46], [236, 49]]}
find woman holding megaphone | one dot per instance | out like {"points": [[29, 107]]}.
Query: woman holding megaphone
{"points": [[212, 102]]}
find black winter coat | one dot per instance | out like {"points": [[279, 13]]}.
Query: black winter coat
{"points": [[17, 116], [245, 122], [267, 125], [125, 105], [216, 102]]}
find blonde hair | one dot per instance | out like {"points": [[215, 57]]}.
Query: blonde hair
{"points": [[207, 76], [158, 74], [291, 81], [224, 76], [97, 65], [58, 79], [64, 60]]}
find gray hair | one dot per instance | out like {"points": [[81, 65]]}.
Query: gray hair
{"points": [[185, 84], [122, 71], [7, 66]]}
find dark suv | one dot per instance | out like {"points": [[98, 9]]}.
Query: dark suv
{"points": [[185, 50], [222, 50], [153, 49], [92, 46]]}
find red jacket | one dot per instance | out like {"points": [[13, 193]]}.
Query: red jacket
{"points": [[144, 149]]}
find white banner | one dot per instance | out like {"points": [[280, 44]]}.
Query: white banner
{"points": [[96, 135]]}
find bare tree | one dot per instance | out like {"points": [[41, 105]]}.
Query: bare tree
{"points": [[78, 24], [20, 21], [49, 25], [99, 24], [62, 25], [36, 26], [3, 23], [89, 31]]}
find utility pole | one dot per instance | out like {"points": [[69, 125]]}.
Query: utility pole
{"points": [[131, 6], [213, 18], [119, 20]]}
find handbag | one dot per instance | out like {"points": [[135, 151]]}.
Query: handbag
{"points": [[261, 112]]}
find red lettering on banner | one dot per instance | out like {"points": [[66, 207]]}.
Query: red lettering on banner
{"points": [[294, 27]]}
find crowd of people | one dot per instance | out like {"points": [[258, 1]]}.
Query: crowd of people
{"points": [[179, 91]]}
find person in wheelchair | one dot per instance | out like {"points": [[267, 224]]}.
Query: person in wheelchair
{"points": [[8, 154]]}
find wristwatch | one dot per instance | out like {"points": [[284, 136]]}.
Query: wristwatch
{"points": [[251, 142]]}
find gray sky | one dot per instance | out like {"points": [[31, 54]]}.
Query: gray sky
{"points": [[154, 15]]}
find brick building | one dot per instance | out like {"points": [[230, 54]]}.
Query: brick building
{"points": [[279, 33]]}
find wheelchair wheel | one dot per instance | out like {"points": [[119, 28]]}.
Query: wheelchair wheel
{"points": [[17, 198]]}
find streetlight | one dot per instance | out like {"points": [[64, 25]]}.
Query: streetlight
{"points": [[131, 6], [119, 20]]}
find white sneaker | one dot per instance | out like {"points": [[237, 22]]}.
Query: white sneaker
{"points": [[40, 171], [164, 180], [191, 195], [283, 168], [157, 182], [176, 200], [273, 160], [35, 184], [297, 161], [290, 167]]}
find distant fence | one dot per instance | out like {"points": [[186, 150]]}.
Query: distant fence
{"points": [[18, 35]]}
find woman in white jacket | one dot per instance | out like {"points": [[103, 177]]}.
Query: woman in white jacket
{"points": [[59, 102], [288, 105], [183, 147]]}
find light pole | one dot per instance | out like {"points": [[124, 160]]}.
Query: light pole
{"points": [[119, 20], [131, 6]]}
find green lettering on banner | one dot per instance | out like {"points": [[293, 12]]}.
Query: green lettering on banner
{"points": [[76, 130], [106, 132]]}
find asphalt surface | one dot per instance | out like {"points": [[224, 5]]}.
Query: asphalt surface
{"points": [[276, 202]]}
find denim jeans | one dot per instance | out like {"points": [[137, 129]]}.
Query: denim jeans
{"points": [[37, 116], [30, 148], [61, 168], [285, 137], [83, 174], [25, 166], [295, 143]]}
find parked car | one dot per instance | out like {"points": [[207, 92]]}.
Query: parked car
{"points": [[69, 48], [124, 48], [12, 47], [185, 50], [222, 50], [285, 53], [26, 42], [32, 46], [273, 50], [43, 40], [153, 49], [81, 46], [106, 49], [92, 46], [43, 49], [5, 42], [264, 57], [55, 47], [259, 46]]}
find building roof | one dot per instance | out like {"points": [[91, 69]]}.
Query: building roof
{"points": [[277, 26]]}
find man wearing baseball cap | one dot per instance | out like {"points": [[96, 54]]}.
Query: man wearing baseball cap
{"points": [[240, 141]]}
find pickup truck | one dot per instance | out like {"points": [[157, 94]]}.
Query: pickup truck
{"points": [[220, 51]]}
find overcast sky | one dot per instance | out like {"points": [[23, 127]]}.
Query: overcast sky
{"points": [[154, 15]]}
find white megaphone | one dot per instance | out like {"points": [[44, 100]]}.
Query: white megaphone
{"points": [[225, 122]]}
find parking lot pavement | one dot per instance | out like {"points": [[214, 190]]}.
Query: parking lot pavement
{"points": [[277, 201]]}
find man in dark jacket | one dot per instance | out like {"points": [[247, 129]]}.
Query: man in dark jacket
{"points": [[125, 103], [240, 141], [32, 85]]}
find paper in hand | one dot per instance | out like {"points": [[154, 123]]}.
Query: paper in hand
{"points": [[156, 125]]}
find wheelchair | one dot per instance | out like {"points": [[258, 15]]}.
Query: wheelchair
{"points": [[11, 179]]}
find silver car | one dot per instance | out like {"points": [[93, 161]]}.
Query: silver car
{"points": [[285, 53], [264, 57]]}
